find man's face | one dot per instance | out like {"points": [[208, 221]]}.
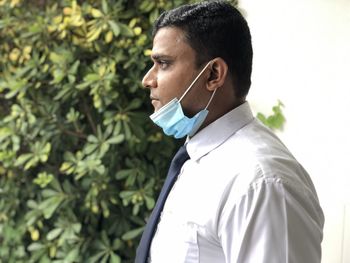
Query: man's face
{"points": [[173, 71]]}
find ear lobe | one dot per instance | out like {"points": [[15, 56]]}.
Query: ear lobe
{"points": [[218, 73]]}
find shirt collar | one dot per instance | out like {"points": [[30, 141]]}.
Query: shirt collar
{"points": [[218, 131]]}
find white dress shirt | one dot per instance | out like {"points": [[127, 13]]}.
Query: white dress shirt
{"points": [[242, 197]]}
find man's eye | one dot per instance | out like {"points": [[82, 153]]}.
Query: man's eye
{"points": [[163, 64]]}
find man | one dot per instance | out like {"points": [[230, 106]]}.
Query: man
{"points": [[238, 194]]}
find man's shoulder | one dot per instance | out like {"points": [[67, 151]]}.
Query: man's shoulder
{"points": [[255, 153]]}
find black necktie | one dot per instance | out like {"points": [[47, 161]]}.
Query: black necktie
{"points": [[143, 250]]}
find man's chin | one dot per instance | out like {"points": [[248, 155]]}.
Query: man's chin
{"points": [[156, 104]]}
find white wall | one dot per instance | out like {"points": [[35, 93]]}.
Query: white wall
{"points": [[302, 57]]}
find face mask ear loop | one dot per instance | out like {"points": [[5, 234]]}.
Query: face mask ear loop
{"points": [[211, 98], [200, 73]]}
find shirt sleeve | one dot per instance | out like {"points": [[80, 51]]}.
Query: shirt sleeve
{"points": [[274, 222]]}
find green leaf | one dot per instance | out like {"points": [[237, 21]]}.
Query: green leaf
{"points": [[105, 259], [53, 234], [125, 30], [134, 104], [74, 68], [96, 257], [31, 163], [132, 233], [117, 243], [127, 130], [76, 227], [50, 205], [90, 148], [116, 139], [276, 120], [49, 193], [149, 202], [104, 6], [147, 6], [72, 255], [92, 77], [105, 239], [56, 58], [115, 258], [153, 16], [115, 27], [126, 194], [23, 158], [83, 85], [124, 173], [58, 75], [92, 139], [35, 246]]}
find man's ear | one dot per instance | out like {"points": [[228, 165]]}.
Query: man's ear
{"points": [[218, 74]]}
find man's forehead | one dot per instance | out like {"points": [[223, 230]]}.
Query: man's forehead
{"points": [[168, 40]]}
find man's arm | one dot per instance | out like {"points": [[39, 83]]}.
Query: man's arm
{"points": [[274, 222]]}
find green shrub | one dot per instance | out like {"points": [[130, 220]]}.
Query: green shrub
{"points": [[80, 162]]}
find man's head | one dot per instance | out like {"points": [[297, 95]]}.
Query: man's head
{"points": [[215, 29], [210, 40]]}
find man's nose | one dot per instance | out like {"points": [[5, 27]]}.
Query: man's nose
{"points": [[149, 80]]}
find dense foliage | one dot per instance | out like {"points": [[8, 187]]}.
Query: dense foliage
{"points": [[80, 162]]}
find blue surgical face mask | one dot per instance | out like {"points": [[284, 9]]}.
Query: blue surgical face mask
{"points": [[172, 119]]}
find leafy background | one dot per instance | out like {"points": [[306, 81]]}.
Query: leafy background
{"points": [[80, 162]]}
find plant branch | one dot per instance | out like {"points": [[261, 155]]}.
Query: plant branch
{"points": [[72, 133], [76, 134], [89, 117]]}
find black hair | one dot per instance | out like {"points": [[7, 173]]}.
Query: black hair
{"points": [[215, 29]]}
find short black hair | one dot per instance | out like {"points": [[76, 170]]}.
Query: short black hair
{"points": [[215, 29]]}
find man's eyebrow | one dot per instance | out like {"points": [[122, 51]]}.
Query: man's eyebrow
{"points": [[160, 56]]}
